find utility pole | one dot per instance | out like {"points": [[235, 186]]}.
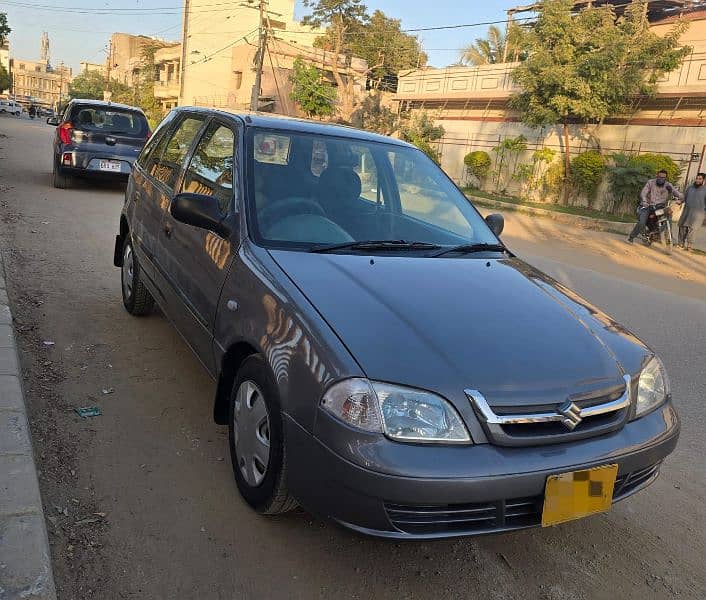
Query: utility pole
{"points": [[110, 60], [61, 84], [261, 47]]}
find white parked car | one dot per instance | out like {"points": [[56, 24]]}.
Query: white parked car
{"points": [[10, 106]]}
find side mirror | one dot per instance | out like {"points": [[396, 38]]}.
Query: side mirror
{"points": [[200, 211], [52, 121], [496, 222]]}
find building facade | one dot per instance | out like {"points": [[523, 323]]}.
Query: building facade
{"points": [[168, 79], [126, 53], [223, 75], [38, 82], [471, 103], [89, 67]]}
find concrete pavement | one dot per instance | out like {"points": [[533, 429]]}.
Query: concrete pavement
{"points": [[152, 473], [25, 563]]}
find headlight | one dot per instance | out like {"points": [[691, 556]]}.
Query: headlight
{"points": [[653, 387], [402, 414]]}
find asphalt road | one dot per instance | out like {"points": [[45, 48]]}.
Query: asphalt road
{"points": [[141, 502]]}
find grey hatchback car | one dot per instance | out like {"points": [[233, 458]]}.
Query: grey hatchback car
{"points": [[381, 357], [96, 139]]}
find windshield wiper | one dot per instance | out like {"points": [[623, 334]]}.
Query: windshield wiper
{"points": [[376, 245], [470, 248]]}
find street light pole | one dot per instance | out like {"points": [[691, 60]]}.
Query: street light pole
{"points": [[261, 45]]}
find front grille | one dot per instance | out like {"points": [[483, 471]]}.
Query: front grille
{"points": [[589, 425], [581, 416], [466, 518], [486, 517]]}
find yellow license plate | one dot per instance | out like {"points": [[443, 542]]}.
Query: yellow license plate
{"points": [[578, 494]]}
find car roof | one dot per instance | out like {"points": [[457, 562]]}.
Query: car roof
{"points": [[104, 104], [295, 125]]}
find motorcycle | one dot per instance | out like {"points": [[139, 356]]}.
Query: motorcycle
{"points": [[659, 226]]}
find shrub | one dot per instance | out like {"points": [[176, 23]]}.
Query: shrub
{"points": [[552, 182], [626, 178], [587, 171], [657, 162], [478, 163], [422, 132], [508, 152]]}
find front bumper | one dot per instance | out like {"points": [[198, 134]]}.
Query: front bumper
{"points": [[466, 490]]}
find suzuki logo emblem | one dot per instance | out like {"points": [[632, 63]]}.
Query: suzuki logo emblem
{"points": [[571, 414]]}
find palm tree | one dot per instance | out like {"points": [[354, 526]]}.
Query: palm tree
{"points": [[497, 47], [485, 51]]}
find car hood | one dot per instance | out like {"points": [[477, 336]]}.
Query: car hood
{"points": [[448, 324]]}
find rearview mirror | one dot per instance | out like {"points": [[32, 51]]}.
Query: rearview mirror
{"points": [[496, 222], [200, 211], [52, 121]]}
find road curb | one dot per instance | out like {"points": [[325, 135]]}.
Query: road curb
{"points": [[564, 218], [25, 559]]}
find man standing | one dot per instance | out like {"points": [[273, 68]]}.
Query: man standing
{"points": [[656, 191], [693, 212]]}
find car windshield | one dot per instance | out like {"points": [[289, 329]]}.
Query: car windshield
{"points": [[110, 121], [310, 191]]}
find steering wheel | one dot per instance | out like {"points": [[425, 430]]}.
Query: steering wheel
{"points": [[287, 207]]}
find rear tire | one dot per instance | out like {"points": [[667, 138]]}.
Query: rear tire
{"points": [[136, 297], [256, 436], [60, 180]]}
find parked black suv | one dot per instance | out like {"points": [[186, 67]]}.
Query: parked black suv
{"points": [[95, 138]]}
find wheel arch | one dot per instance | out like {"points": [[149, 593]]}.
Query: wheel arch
{"points": [[120, 241], [230, 363]]}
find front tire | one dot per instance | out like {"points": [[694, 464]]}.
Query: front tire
{"points": [[257, 443], [136, 297], [667, 239]]}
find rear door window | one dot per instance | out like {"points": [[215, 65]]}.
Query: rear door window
{"points": [[110, 121], [165, 163], [157, 141], [210, 172]]}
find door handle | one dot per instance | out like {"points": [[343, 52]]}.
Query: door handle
{"points": [[168, 230]]}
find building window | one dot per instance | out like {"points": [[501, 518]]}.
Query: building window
{"points": [[238, 79]]}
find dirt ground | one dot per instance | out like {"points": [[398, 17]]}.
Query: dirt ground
{"points": [[141, 503]]}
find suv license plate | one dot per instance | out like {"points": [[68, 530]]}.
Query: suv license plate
{"points": [[659, 212], [109, 165], [578, 494]]}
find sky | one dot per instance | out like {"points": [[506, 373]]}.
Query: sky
{"points": [[75, 37]]}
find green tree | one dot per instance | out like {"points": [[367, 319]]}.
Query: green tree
{"points": [[384, 46], [5, 29], [5, 79], [92, 84], [496, 47], [143, 86], [586, 66], [315, 96], [422, 132], [89, 85], [340, 17], [373, 116]]}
